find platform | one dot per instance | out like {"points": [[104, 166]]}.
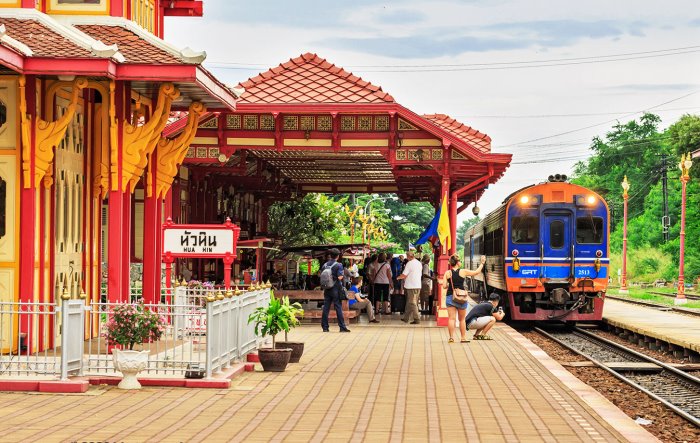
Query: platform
{"points": [[678, 329], [385, 382]]}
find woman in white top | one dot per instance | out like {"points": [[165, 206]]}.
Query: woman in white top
{"points": [[382, 283]]}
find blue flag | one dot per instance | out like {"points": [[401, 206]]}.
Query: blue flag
{"points": [[431, 232]]}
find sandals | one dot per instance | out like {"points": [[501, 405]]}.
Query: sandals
{"points": [[464, 340], [482, 337], [451, 340]]}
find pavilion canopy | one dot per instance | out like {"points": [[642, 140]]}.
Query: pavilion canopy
{"points": [[35, 43], [310, 126]]}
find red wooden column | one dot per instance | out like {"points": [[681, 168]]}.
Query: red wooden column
{"points": [[453, 223], [118, 217], [151, 235], [442, 265], [28, 213]]}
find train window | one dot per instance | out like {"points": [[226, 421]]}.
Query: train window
{"points": [[556, 234], [488, 239], [498, 241], [589, 230], [525, 229]]}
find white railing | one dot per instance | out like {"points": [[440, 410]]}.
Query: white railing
{"points": [[229, 336], [41, 339], [46, 339]]}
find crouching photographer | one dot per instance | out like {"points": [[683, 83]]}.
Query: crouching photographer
{"points": [[483, 316]]}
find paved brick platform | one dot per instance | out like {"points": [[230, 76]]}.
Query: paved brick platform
{"points": [[671, 327], [387, 382]]}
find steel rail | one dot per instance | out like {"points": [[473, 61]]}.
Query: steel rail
{"points": [[600, 340], [655, 305], [688, 296]]}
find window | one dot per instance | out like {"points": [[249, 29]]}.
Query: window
{"points": [[498, 241], [3, 206], [589, 230], [525, 229], [556, 234], [488, 240]]}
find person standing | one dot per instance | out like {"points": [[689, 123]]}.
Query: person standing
{"points": [[455, 279], [412, 275], [332, 294], [382, 284], [426, 289]]}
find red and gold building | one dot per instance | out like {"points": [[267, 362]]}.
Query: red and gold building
{"points": [[107, 130]]}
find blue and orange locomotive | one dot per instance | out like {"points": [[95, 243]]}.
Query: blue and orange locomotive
{"points": [[547, 252]]}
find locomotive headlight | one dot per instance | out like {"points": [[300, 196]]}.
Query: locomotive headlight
{"points": [[590, 200], [525, 199], [598, 253], [596, 265], [515, 253]]}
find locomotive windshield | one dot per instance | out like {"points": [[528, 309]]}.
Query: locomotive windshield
{"points": [[556, 234], [525, 229], [589, 230]]}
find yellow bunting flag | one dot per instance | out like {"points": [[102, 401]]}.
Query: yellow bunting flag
{"points": [[443, 229]]}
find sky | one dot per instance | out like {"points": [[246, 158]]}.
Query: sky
{"points": [[542, 78]]}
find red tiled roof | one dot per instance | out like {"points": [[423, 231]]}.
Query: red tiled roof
{"points": [[478, 140], [311, 79], [134, 48], [41, 40]]}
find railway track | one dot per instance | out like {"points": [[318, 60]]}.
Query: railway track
{"points": [[674, 388], [655, 305], [688, 296]]}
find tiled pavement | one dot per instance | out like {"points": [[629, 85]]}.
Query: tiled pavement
{"points": [[386, 382]]}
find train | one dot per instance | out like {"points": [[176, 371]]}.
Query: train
{"points": [[547, 252]]}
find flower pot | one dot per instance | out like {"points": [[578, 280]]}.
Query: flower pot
{"points": [[111, 348], [297, 348], [274, 360], [130, 363]]}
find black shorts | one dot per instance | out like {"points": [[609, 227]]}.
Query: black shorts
{"points": [[381, 292]]}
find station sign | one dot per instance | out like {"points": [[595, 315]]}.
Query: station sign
{"points": [[188, 241]]}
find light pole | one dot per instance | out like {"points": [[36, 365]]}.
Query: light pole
{"points": [[684, 166], [623, 283]]}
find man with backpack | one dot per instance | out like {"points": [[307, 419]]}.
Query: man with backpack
{"points": [[331, 281]]}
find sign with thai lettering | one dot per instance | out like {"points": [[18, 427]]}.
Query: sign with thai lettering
{"points": [[200, 240]]}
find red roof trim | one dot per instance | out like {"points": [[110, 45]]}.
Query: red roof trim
{"points": [[11, 59], [51, 66]]}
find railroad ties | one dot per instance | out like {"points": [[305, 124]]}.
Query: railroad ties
{"points": [[667, 384]]}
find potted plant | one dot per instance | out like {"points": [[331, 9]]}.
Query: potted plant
{"points": [[271, 320], [129, 325], [297, 347]]}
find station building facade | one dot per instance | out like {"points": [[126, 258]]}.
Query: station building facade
{"points": [[107, 130]]}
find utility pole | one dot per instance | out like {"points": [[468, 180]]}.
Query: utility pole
{"points": [[665, 220]]}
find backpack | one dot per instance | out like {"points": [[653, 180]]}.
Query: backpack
{"points": [[327, 280]]}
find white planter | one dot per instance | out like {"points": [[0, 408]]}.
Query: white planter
{"points": [[130, 363]]}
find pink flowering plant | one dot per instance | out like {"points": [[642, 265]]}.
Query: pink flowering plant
{"points": [[132, 324]]}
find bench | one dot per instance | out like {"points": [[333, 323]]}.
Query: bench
{"points": [[315, 314]]}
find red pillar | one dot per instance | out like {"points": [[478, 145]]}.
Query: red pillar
{"points": [[453, 223], [118, 217], [28, 214], [442, 267], [151, 234]]}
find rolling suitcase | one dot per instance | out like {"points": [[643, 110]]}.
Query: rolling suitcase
{"points": [[398, 303]]}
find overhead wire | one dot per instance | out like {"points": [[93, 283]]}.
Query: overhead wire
{"points": [[492, 65]]}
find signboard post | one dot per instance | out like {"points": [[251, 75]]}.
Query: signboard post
{"points": [[199, 241]]}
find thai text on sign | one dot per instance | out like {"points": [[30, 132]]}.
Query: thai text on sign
{"points": [[198, 241]]}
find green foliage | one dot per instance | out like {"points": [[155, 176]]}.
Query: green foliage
{"points": [[278, 316], [132, 324], [634, 149], [310, 220]]}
